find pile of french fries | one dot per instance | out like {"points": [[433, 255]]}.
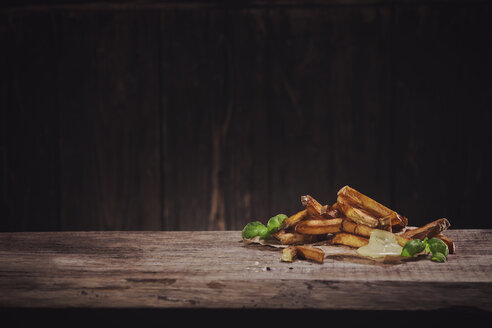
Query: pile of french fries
{"points": [[348, 222]]}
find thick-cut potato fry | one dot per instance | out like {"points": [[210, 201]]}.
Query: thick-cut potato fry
{"points": [[395, 220], [334, 212], [289, 254], [365, 231], [355, 214], [372, 207], [292, 238], [429, 230], [314, 209], [447, 241], [348, 239], [319, 227], [362, 201], [294, 219], [311, 253], [356, 229]]}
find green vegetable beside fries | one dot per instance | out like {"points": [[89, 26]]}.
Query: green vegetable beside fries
{"points": [[435, 246], [257, 228]]}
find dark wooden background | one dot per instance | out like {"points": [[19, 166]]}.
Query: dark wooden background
{"points": [[157, 115]]}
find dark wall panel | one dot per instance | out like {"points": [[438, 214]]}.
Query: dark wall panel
{"points": [[194, 118], [443, 89], [29, 122], [246, 157], [207, 116], [110, 175]]}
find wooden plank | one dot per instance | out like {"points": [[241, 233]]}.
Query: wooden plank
{"points": [[330, 123], [246, 156], [216, 270], [442, 81], [194, 118], [109, 121], [29, 122]]}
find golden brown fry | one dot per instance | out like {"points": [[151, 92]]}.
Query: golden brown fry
{"points": [[355, 214], [311, 253], [447, 241], [294, 219], [289, 254], [319, 227], [395, 220], [365, 231], [314, 209], [334, 213], [373, 207], [292, 238], [348, 239], [356, 229], [362, 201], [429, 230]]}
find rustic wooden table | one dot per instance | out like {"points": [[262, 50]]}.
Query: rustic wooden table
{"points": [[217, 270]]}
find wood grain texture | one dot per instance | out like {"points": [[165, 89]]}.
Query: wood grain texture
{"points": [[217, 270], [29, 122], [110, 174], [247, 154], [439, 52], [205, 116], [195, 119]]}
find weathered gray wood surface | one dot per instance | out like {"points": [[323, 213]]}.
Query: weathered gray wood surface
{"points": [[216, 270]]}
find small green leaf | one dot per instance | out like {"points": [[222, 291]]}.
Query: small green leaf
{"points": [[436, 245], [254, 229], [412, 247], [438, 257], [275, 223]]}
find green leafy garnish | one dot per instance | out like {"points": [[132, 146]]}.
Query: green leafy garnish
{"points": [[413, 247], [438, 257], [275, 223], [254, 229], [257, 228], [435, 246]]}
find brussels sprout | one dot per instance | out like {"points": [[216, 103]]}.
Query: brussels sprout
{"points": [[412, 247], [436, 245], [254, 229], [275, 223], [438, 257], [257, 228]]}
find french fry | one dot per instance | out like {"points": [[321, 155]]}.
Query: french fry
{"points": [[348, 239], [293, 238], [314, 209], [294, 219], [372, 207], [362, 201], [429, 230], [311, 253], [355, 214], [289, 254], [365, 231], [334, 212], [356, 229], [319, 227]]}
